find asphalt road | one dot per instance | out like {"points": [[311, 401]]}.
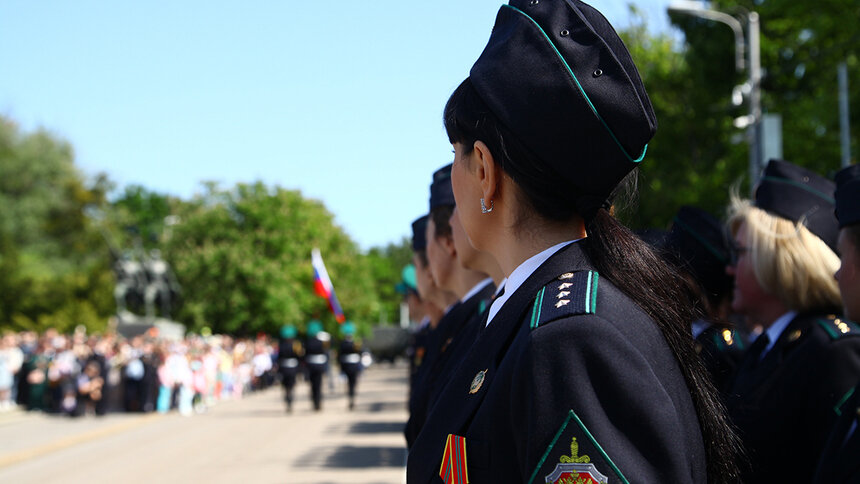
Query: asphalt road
{"points": [[252, 440]]}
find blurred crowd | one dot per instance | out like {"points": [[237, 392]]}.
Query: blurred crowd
{"points": [[84, 374]]}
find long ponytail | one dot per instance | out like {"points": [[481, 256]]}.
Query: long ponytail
{"points": [[620, 256]]}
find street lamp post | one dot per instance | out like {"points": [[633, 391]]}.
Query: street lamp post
{"points": [[753, 121]]}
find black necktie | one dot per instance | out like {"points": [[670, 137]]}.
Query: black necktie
{"points": [[758, 347]]}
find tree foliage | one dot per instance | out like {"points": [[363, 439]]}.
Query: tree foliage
{"points": [[53, 264], [242, 257]]}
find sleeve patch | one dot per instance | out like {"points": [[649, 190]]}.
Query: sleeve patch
{"points": [[575, 457], [570, 294]]}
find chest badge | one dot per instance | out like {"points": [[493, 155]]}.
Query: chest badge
{"points": [[477, 382]]}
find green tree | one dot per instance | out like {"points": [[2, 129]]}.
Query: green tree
{"points": [[386, 266], [242, 257], [801, 45], [53, 271]]}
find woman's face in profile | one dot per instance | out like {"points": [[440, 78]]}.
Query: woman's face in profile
{"points": [[747, 290]]}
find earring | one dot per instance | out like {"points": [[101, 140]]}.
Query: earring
{"points": [[484, 208]]}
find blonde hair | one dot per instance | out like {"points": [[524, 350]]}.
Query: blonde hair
{"points": [[788, 260]]}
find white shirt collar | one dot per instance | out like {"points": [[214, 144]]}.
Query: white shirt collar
{"points": [[776, 329], [521, 273], [476, 289]]}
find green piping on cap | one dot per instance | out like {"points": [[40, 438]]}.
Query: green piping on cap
{"points": [[581, 90]]}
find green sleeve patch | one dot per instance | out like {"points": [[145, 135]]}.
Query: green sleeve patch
{"points": [[575, 456], [570, 294]]}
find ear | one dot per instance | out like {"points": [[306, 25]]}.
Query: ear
{"points": [[448, 245], [488, 173]]}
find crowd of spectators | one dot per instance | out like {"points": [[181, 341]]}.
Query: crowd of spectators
{"points": [[81, 374]]}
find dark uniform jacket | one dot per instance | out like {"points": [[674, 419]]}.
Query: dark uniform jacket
{"points": [[289, 352], [840, 461], [783, 404], [316, 354], [349, 356], [721, 349], [451, 339], [570, 378]]}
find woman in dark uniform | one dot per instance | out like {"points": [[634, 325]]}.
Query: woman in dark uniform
{"points": [[789, 386], [585, 371]]}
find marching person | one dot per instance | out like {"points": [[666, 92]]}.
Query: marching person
{"points": [[316, 359], [349, 358], [586, 369], [806, 359], [289, 353], [840, 460]]}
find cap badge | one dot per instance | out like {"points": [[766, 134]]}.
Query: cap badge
{"points": [[477, 382]]}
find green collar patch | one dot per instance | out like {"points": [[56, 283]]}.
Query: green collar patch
{"points": [[570, 294]]}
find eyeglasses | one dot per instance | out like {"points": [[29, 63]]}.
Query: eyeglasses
{"points": [[736, 251]]}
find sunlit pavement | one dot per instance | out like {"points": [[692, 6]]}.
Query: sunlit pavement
{"points": [[252, 440]]}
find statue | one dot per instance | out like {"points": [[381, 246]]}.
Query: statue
{"points": [[162, 287], [130, 284]]}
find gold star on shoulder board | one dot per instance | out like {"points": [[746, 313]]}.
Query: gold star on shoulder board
{"points": [[561, 303]]}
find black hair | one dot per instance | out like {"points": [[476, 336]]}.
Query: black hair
{"points": [[441, 216], [422, 257], [616, 253]]}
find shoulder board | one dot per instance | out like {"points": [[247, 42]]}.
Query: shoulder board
{"points": [[570, 294], [838, 328], [726, 339]]}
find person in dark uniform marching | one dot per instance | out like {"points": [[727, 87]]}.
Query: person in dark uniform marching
{"points": [[698, 243], [289, 354], [349, 359], [840, 460], [794, 374], [316, 359], [580, 374]]}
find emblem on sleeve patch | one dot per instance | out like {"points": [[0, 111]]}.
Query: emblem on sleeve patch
{"points": [[570, 294], [557, 467], [575, 469], [454, 469]]}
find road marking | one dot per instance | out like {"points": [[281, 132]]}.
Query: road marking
{"points": [[64, 443]]}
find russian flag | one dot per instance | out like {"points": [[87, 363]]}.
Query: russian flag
{"points": [[323, 287]]}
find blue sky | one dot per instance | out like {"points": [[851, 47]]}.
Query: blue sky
{"points": [[341, 100]]}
